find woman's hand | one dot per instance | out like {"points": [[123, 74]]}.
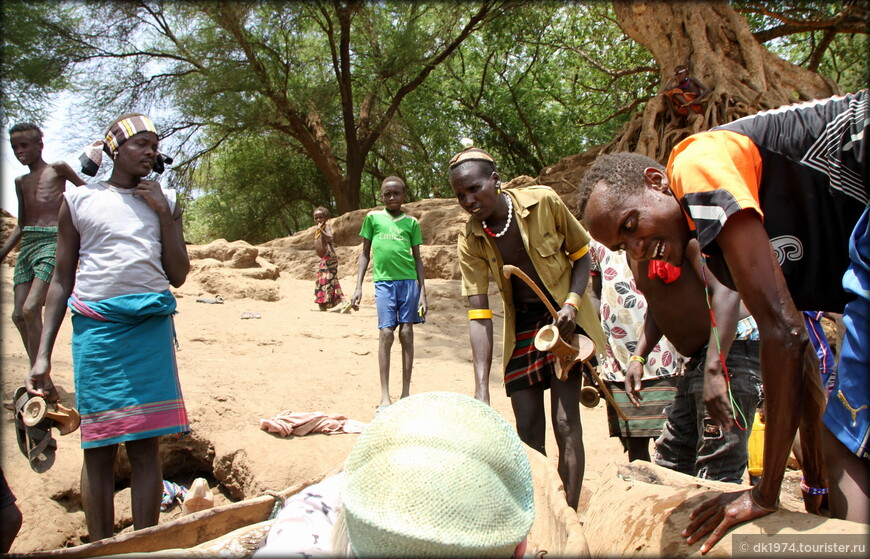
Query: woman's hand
{"points": [[633, 385]]}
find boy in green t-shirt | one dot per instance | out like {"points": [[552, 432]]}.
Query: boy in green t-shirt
{"points": [[400, 294]]}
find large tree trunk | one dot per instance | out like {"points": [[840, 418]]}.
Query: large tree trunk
{"points": [[716, 44]]}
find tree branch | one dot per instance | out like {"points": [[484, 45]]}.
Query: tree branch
{"points": [[485, 12]]}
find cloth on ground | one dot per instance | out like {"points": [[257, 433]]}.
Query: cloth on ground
{"points": [[302, 423]]}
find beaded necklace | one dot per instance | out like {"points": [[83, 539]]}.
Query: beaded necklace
{"points": [[715, 328], [506, 225]]}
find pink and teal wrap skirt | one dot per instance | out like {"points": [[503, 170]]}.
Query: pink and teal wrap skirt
{"points": [[126, 376]]}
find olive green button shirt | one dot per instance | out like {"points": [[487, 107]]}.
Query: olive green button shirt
{"points": [[550, 233]]}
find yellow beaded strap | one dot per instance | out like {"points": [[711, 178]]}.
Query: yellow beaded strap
{"points": [[637, 358], [579, 254], [479, 314]]}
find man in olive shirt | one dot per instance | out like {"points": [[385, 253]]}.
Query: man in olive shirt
{"points": [[532, 229]]}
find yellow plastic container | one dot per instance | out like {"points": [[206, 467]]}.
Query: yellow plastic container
{"points": [[756, 447]]}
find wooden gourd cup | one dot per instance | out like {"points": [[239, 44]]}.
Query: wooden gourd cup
{"points": [[548, 339], [65, 419], [568, 355]]}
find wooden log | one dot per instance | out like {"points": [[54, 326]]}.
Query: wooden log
{"points": [[639, 510], [556, 529], [185, 532], [237, 529]]}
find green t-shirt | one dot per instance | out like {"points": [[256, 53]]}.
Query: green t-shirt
{"points": [[392, 239]]}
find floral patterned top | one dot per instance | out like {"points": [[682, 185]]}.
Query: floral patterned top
{"points": [[623, 311]]}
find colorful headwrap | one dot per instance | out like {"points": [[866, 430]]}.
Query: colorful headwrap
{"points": [[470, 154], [119, 133]]}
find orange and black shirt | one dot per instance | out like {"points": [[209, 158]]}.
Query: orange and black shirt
{"points": [[802, 169]]}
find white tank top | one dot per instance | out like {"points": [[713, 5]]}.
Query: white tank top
{"points": [[120, 247]]}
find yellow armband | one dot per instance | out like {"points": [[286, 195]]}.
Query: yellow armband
{"points": [[479, 314], [574, 256], [574, 300]]}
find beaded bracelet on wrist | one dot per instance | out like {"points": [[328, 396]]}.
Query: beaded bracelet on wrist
{"points": [[812, 490]]}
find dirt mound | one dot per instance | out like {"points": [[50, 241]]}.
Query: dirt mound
{"points": [[240, 270], [441, 220], [233, 269], [7, 224]]}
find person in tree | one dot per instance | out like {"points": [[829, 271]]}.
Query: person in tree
{"points": [[684, 93], [532, 229], [327, 289], [40, 194], [779, 202]]}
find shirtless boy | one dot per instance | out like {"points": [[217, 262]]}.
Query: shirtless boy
{"points": [[692, 442], [40, 194]]}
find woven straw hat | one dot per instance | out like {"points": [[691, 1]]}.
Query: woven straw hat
{"points": [[438, 474]]}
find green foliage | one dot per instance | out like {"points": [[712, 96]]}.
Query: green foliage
{"points": [[274, 108], [547, 84], [846, 62], [36, 59], [526, 90], [255, 189], [829, 37]]}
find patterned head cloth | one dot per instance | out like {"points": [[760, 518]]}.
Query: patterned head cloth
{"points": [[437, 474], [119, 133]]}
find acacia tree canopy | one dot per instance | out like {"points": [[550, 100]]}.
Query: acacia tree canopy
{"points": [[273, 108]]}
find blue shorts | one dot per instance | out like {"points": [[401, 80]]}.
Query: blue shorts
{"points": [[397, 302], [847, 414]]}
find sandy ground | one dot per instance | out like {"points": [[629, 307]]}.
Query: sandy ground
{"points": [[234, 372]]}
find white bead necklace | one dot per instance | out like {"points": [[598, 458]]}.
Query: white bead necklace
{"points": [[506, 225]]}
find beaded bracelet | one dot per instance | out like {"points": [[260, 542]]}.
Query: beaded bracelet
{"points": [[479, 314], [637, 358], [812, 490]]}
